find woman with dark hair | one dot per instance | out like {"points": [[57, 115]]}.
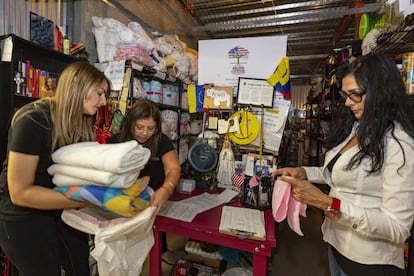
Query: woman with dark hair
{"points": [[143, 123], [32, 233], [369, 167]]}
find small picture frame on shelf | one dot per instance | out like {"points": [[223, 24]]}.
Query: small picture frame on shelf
{"points": [[41, 30], [47, 86]]}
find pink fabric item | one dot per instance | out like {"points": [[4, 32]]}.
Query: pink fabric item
{"points": [[253, 182], [280, 200], [135, 54], [284, 205]]}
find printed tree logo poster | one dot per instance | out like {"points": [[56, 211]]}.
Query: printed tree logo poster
{"points": [[222, 61], [240, 56]]}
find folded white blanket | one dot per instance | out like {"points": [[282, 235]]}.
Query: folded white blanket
{"points": [[117, 158], [64, 175]]}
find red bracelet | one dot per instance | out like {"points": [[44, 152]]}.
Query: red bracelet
{"points": [[336, 204], [168, 191]]}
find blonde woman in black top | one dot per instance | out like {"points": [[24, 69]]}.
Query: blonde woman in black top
{"points": [[32, 233]]}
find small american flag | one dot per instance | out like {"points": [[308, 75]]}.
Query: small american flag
{"points": [[237, 180], [253, 182]]}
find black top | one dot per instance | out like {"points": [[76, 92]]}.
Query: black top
{"points": [[28, 137], [154, 168], [332, 162]]}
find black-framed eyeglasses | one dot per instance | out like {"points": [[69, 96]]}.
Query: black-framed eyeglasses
{"points": [[149, 130], [355, 96]]}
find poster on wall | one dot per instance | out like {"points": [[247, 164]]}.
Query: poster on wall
{"points": [[41, 30], [223, 61], [273, 124]]}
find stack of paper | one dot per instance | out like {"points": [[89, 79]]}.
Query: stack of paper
{"points": [[243, 222]]}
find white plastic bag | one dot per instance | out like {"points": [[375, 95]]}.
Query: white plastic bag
{"points": [[237, 271], [121, 244]]}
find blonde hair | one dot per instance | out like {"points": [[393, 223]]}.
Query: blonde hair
{"points": [[70, 125]]}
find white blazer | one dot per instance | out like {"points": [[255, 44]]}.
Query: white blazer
{"points": [[377, 209]]}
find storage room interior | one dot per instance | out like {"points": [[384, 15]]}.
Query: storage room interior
{"points": [[315, 36]]}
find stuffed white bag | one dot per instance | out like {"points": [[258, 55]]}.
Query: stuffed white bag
{"points": [[121, 244]]}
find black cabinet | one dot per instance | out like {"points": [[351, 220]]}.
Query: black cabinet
{"points": [[13, 51], [312, 145], [6, 105], [320, 113]]}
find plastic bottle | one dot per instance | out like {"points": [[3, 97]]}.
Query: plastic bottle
{"points": [[66, 45]]}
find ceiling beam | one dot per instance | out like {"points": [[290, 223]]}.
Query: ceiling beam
{"points": [[292, 58], [305, 76], [268, 9], [347, 21], [279, 19]]}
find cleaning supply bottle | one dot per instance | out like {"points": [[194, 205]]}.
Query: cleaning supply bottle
{"points": [[66, 45]]}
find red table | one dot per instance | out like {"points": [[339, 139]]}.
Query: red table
{"points": [[204, 227]]}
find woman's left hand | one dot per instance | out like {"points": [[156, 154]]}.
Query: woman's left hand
{"points": [[307, 193], [159, 199]]}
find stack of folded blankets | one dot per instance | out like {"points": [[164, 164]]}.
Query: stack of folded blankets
{"points": [[104, 175]]}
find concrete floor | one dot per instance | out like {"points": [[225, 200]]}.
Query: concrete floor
{"points": [[293, 255]]}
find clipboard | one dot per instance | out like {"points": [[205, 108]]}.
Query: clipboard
{"points": [[244, 223]]}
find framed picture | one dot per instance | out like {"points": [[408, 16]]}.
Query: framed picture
{"points": [[47, 86], [256, 92], [218, 97], [41, 30]]}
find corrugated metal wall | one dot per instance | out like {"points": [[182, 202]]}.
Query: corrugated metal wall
{"points": [[14, 18], [14, 14]]}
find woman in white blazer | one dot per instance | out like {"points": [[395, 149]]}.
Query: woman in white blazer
{"points": [[369, 167]]}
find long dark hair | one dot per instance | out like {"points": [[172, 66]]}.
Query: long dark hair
{"points": [[142, 109], [386, 104]]}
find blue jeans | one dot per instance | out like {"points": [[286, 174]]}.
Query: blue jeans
{"points": [[333, 265], [44, 246]]}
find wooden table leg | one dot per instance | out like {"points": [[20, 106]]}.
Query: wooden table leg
{"points": [[155, 254]]}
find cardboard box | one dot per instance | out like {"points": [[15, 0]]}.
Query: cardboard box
{"points": [[187, 268], [219, 266], [186, 186]]}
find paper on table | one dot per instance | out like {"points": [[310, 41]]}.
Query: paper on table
{"points": [[179, 210], [243, 222], [227, 195], [187, 209]]}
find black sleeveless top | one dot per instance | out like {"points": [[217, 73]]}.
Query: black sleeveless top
{"points": [[333, 161]]}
